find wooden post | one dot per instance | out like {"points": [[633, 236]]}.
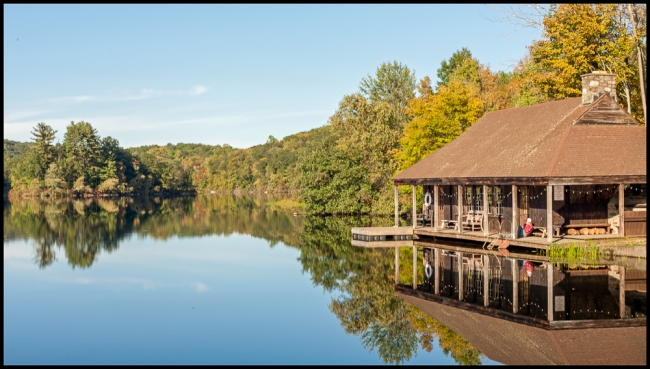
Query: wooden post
{"points": [[515, 286], [460, 208], [415, 210], [485, 211], [460, 276], [621, 209], [396, 208], [436, 271], [486, 280], [549, 213], [436, 219], [515, 211], [415, 268], [621, 291], [549, 291], [396, 265]]}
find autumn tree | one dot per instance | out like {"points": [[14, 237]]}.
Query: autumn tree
{"points": [[581, 38], [439, 117]]}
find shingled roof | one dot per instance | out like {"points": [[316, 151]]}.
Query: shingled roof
{"points": [[550, 143]]}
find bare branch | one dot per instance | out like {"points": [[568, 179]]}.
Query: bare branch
{"points": [[522, 16]]}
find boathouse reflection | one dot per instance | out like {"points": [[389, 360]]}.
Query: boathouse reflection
{"points": [[518, 286]]}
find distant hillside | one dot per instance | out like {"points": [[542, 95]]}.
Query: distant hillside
{"points": [[272, 166], [14, 149]]}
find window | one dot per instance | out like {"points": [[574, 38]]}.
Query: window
{"points": [[499, 198]]}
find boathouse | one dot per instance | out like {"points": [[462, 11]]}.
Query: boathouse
{"points": [[576, 167]]}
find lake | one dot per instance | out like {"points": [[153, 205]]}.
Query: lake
{"points": [[217, 279]]}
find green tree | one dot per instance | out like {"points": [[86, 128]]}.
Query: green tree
{"points": [[43, 136], [334, 180], [394, 84], [54, 178], [83, 153], [447, 68]]}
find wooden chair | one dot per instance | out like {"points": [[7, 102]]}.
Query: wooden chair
{"points": [[473, 219]]}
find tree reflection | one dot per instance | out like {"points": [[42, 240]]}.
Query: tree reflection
{"points": [[361, 278], [367, 305], [85, 228]]}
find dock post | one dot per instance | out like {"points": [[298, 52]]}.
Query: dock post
{"points": [[435, 208], [436, 270], [515, 286], [415, 210], [549, 291], [396, 208], [460, 276], [515, 211], [459, 225], [415, 267], [621, 292], [396, 265], [621, 209], [485, 211], [549, 213], [486, 280]]}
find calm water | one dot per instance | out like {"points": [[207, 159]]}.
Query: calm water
{"points": [[212, 279]]}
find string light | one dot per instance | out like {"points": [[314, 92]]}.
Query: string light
{"points": [[567, 190]]}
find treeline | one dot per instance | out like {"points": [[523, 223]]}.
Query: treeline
{"points": [[391, 122], [85, 164]]}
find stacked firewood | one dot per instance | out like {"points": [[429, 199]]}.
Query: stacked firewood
{"points": [[586, 231]]}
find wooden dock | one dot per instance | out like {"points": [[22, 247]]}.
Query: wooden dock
{"points": [[403, 236], [382, 236]]}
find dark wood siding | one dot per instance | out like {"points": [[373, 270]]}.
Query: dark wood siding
{"points": [[635, 223]]}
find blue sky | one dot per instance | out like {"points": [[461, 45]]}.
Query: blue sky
{"points": [[216, 74]]}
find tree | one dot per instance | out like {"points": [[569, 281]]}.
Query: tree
{"points": [[368, 130], [637, 43], [461, 59], [43, 136], [334, 180], [438, 118], [83, 153], [579, 39], [394, 84], [54, 178]]}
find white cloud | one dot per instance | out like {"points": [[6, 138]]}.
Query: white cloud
{"points": [[17, 115], [198, 90], [200, 287], [145, 283], [145, 93]]}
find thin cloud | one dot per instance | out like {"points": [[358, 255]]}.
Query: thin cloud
{"points": [[21, 114], [145, 93], [198, 90], [200, 287]]}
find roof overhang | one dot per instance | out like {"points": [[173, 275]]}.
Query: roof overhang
{"points": [[522, 181]]}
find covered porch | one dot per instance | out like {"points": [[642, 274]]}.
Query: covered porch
{"points": [[561, 211]]}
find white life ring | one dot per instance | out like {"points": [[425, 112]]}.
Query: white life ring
{"points": [[427, 270], [427, 199]]}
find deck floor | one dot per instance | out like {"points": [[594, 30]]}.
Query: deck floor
{"points": [[536, 242], [531, 241]]}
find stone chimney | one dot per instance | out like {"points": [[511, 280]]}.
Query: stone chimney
{"points": [[596, 83]]}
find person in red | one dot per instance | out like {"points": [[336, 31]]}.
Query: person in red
{"points": [[529, 268], [527, 230]]}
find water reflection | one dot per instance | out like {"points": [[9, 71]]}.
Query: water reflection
{"points": [[84, 228], [362, 280], [572, 313]]}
